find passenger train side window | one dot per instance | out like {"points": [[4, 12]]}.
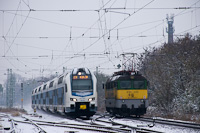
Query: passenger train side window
{"points": [[65, 87], [39, 89], [44, 87], [51, 84], [60, 80]]}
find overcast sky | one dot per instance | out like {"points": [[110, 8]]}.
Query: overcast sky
{"points": [[40, 37]]}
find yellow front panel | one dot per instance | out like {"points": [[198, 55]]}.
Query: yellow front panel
{"points": [[131, 94], [83, 107]]}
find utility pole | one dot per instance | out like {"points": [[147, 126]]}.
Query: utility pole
{"points": [[22, 95], [170, 30], [97, 70], [9, 89]]}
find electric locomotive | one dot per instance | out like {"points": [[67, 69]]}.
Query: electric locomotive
{"points": [[72, 93], [126, 94]]}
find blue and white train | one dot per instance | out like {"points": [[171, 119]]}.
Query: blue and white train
{"points": [[74, 93]]}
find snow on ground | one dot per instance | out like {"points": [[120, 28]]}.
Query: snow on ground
{"points": [[158, 127], [47, 116]]}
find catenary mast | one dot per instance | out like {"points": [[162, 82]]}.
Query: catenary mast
{"points": [[170, 30]]}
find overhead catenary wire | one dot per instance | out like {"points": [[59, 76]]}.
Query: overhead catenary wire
{"points": [[116, 26], [121, 36], [96, 10], [16, 35], [9, 46], [107, 32]]}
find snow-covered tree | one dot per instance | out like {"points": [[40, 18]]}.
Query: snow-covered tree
{"points": [[173, 71]]}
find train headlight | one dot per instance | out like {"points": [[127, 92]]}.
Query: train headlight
{"points": [[91, 99], [73, 99]]}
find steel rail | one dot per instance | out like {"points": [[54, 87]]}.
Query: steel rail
{"points": [[75, 126], [117, 129], [11, 129], [96, 127], [40, 128], [137, 129], [92, 124], [170, 122]]}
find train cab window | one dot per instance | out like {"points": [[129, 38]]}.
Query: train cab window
{"points": [[82, 85], [60, 80], [51, 84], [139, 84], [125, 84], [35, 90], [44, 87]]}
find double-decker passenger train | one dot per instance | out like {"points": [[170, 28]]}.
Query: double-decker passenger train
{"points": [[74, 93], [126, 94]]}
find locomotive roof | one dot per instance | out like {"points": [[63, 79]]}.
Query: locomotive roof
{"points": [[126, 75]]}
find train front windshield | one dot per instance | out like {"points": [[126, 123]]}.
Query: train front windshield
{"points": [[136, 84], [82, 84]]}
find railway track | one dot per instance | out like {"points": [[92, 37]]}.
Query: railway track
{"points": [[42, 126], [88, 127], [97, 123], [133, 128], [169, 122], [9, 127]]}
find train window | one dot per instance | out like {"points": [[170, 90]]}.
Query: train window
{"points": [[125, 84], [82, 85], [139, 84], [60, 80], [44, 87], [39, 89], [51, 84], [115, 84], [108, 85], [111, 84], [35, 90], [65, 87], [54, 92]]}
